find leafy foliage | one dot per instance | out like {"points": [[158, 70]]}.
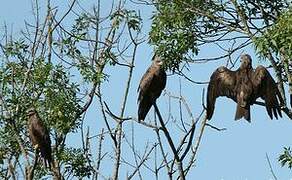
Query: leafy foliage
{"points": [[131, 17], [286, 158], [48, 89], [60, 103], [40, 172], [173, 32], [278, 37], [75, 162], [8, 141], [180, 28], [35, 83], [37, 71]]}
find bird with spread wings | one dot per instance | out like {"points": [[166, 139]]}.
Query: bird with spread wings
{"points": [[39, 136], [244, 86], [150, 87]]}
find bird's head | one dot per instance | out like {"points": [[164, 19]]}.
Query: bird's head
{"points": [[31, 112], [245, 60], [157, 61]]}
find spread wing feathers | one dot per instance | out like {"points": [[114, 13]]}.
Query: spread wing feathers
{"points": [[150, 88], [267, 89], [40, 136], [222, 83]]}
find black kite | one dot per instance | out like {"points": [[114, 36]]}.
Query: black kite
{"points": [[150, 87], [244, 86], [40, 136]]}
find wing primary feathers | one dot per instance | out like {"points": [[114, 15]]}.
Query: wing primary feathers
{"points": [[222, 83], [211, 98], [267, 89], [143, 108]]}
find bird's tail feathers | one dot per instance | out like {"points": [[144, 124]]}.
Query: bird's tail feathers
{"points": [[143, 109], [210, 111], [47, 156], [242, 112]]}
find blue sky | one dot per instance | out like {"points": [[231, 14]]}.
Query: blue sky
{"points": [[239, 153]]}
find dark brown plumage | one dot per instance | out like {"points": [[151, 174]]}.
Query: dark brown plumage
{"points": [[244, 86], [291, 100], [39, 136], [150, 87]]}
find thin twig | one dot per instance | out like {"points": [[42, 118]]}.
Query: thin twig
{"points": [[216, 128], [270, 166]]}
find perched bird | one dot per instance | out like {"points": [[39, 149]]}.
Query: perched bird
{"points": [[150, 87], [244, 86], [39, 136]]}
